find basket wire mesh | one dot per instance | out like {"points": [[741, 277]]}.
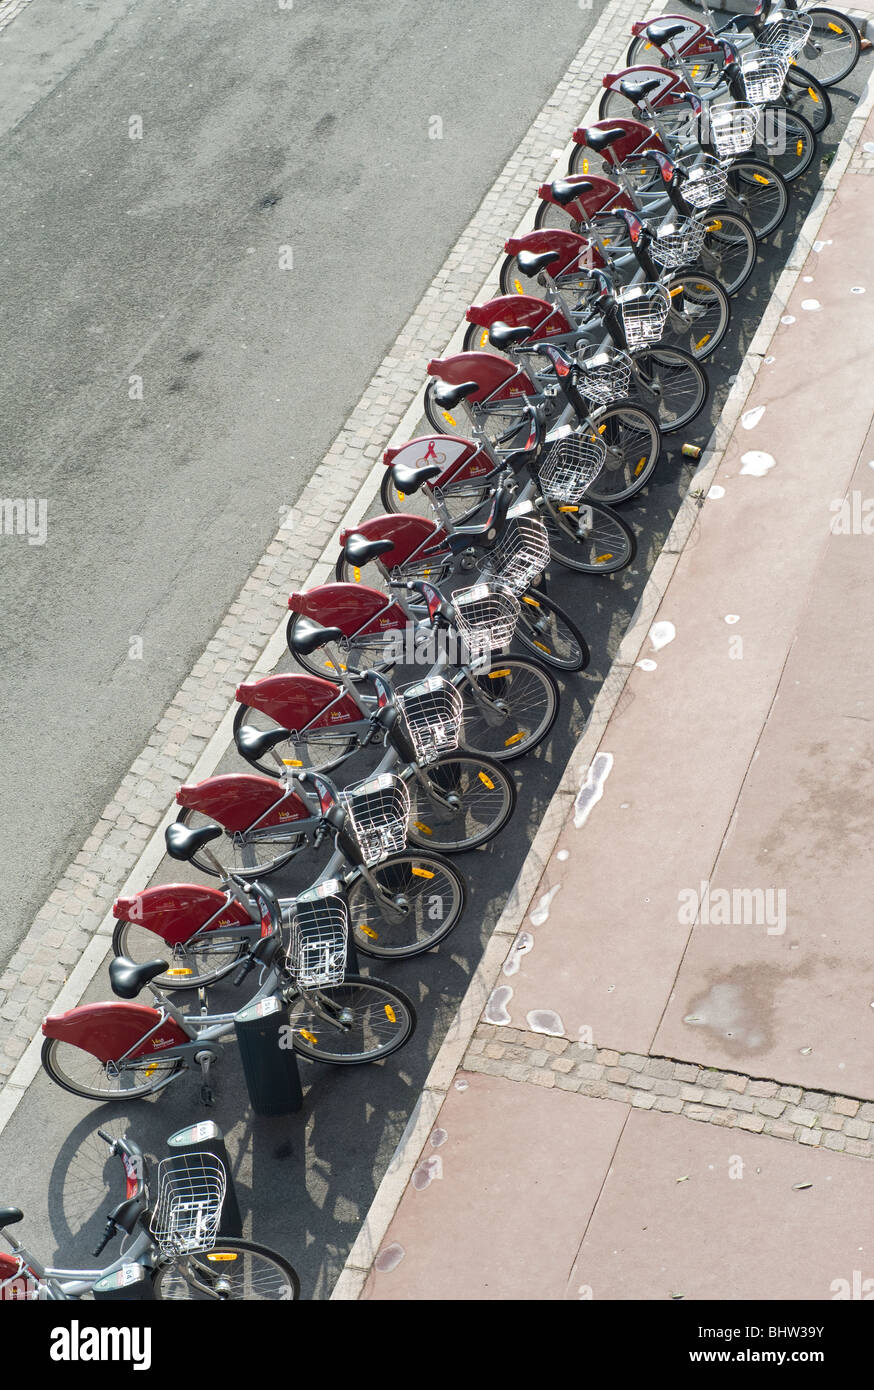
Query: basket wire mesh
{"points": [[319, 935], [677, 243], [604, 377], [521, 554], [486, 617], [571, 466], [191, 1190], [378, 811], [787, 35], [644, 310], [433, 712], [764, 73], [733, 126], [706, 181]]}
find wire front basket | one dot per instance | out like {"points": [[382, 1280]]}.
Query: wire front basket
{"points": [[733, 126], [764, 73], [571, 466], [486, 617], [191, 1189], [378, 812], [605, 377], [644, 310], [787, 35], [521, 554], [319, 935], [706, 181], [433, 712], [677, 243]]}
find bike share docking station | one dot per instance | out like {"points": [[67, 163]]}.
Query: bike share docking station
{"points": [[269, 1061]]}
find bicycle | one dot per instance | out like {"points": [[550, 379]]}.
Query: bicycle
{"points": [[118, 1051], [173, 1242]]}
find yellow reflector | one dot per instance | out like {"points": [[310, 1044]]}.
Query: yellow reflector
{"points": [[448, 418], [696, 69], [639, 469], [760, 178], [702, 341], [646, 46], [678, 289], [568, 509], [542, 647], [496, 675], [532, 601], [812, 94], [601, 429], [605, 240], [421, 873], [517, 287], [799, 146], [487, 781], [390, 1013], [150, 1070], [835, 28], [425, 829], [220, 1256], [585, 166], [514, 738], [715, 227], [599, 559], [292, 762], [308, 1037], [368, 931], [401, 496], [356, 575], [485, 337], [179, 970]]}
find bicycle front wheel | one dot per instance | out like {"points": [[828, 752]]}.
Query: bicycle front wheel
{"points": [[729, 249], [481, 796], [634, 442], [232, 1271], [761, 193], [547, 631], [671, 383], [786, 141], [833, 45], [804, 95], [589, 538], [360, 1020], [418, 902], [507, 709], [699, 316]]}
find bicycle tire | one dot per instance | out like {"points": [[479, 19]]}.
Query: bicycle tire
{"points": [[792, 152], [633, 438], [171, 1283], [813, 102], [329, 740], [238, 858], [428, 831], [514, 734], [55, 1048], [700, 313], [137, 943], [537, 608], [727, 234], [426, 924], [604, 527], [825, 21], [675, 366], [306, 1043], [762, 193]]}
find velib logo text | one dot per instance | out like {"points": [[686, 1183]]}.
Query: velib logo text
{"points": [[25, 516], [76, 1343], [733, 907]]}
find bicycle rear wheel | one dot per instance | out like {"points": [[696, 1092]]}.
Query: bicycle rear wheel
{"points": [[255, 856], [430, 894], [83, 1074], [232, 1271], [507, 709], [194, 963], [485, 795], [360, 1020], [459, 499], [320, 751]]}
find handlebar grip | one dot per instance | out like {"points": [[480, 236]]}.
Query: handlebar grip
{"points": [[107, 1236], [107, 1139], [243, 970]]}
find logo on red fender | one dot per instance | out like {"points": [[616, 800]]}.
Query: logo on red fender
{"points": [[163, 1042]]}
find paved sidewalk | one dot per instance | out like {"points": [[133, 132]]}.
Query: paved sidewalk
{"points": [[670, 1091]]}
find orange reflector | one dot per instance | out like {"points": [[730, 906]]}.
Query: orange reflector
{"points": [[421, 873], [390, 1013], [487, 781]]}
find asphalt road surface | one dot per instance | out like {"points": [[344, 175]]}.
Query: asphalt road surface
{"points": [[262, 126]]}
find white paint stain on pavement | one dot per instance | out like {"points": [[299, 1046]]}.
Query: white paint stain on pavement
{"points": [[732, 617], [660, 634], [756, 463], [545, 1021], [521, 946], [428, 1171], [751, 418], [541, 911], [811, 305], [592, 790], [715, 492], [438, 1138], [389, 1258], [496, 1009], [788, 318], [648, 664], [818, 245]]}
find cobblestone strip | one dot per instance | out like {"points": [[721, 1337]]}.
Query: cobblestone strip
{"points": [[707, 1094], [74, 911]]}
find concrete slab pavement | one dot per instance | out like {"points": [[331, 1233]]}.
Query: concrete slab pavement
{"points": [[697, 943]]}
